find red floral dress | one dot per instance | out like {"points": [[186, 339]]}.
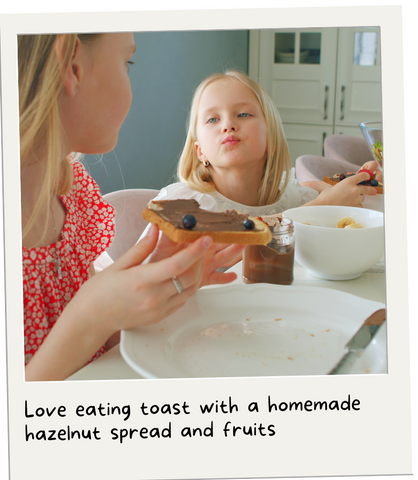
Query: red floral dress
{"points": [[89, 229]]}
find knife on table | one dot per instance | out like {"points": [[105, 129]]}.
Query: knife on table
{"points": [[359, 342]]}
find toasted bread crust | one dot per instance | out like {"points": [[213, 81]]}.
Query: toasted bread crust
{"points": [[330, 181], [180, 235]]}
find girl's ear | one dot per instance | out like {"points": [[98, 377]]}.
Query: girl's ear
{"points": [[71, 76], [199, 153]]}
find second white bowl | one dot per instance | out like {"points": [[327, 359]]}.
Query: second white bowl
{"points": [[336, 253]]}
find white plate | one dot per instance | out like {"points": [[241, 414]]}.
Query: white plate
{"points": [[255, 330]]}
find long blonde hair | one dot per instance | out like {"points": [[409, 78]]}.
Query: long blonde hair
{"points": [[190, 170], [41, 74]]}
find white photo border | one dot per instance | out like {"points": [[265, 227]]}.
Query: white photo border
{"points": [[385, 398]]}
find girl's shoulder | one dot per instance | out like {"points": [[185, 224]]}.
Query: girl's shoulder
{"points": [[90, 220], [85, 195], [295, 194], [81, 178], [84, 188], [174, 190], [184, 191]]}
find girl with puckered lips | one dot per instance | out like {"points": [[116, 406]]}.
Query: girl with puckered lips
{"points": [[236, 156]]}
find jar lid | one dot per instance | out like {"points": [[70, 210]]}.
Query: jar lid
{"points": [[271, 220], [283, 225]]}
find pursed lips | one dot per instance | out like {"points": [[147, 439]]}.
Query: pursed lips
{"points": [[231, 140]]}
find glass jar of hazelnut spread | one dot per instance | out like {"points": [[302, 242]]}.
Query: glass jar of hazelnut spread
{"points": [[271, 263]]}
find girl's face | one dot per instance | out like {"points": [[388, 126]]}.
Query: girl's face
{"points": [[93, 116], [231, 129]]}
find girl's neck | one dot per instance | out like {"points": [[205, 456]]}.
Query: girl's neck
{"points": [[238, 185]]}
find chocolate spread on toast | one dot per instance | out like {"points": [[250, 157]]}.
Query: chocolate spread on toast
{"points": [[172, 211]]}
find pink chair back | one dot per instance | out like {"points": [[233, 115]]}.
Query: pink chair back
{"points": [[347, 148], [129, 205]]}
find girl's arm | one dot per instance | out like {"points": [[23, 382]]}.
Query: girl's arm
{"points": [[123, 296], [346, 193], [320, 186], [317, 185], [115, 338]]}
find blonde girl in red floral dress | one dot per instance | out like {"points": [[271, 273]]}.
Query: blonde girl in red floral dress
{"points": [[47, 284], [74, 94]]}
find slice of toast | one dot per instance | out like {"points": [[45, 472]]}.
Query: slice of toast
{"points": [[223, 227], [332, 181]]}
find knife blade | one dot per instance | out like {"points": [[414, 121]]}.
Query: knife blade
{"points": [[359, 342]]}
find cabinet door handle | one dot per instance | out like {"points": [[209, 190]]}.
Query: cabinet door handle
{"points": [[324, 136], [326, 102], [342, 102]]}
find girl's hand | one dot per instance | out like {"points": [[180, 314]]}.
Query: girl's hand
{"points": [[346, 193], [165, 248], [129, 294], [372, 165], [218, 255]]}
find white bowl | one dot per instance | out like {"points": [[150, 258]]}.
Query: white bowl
{"points": [[336, 253]]}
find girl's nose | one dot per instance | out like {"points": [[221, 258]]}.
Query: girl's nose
{"points": [[229, 126]]}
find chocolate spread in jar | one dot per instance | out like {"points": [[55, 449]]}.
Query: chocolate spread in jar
{"points": [[272, 263], [261, 264], [206, 221]]}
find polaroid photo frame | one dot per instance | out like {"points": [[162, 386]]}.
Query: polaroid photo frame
{"points": [[372, 440]]}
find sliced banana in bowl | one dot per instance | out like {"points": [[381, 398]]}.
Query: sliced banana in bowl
{"points": [[345, 222], [355, 225], [349, 222]]}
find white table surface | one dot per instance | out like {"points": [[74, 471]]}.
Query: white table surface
{"points": [[370, 285]]}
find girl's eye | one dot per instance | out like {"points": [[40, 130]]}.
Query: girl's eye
{"points": [[212, 120], [130, 63], [244, 115]]}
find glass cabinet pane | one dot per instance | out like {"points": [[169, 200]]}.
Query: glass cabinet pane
{"points": [[310, 48], [365, 48], [284, 47]]}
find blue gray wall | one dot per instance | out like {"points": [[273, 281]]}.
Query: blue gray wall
{"points": [[168, 67]]}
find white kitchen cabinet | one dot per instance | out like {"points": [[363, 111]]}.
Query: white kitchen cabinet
{"points": [[305, 140], [322, 81], [354, 131], [302, 91], [358, 87]]}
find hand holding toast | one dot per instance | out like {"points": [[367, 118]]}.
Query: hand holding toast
{"points": [[217, 256]]}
